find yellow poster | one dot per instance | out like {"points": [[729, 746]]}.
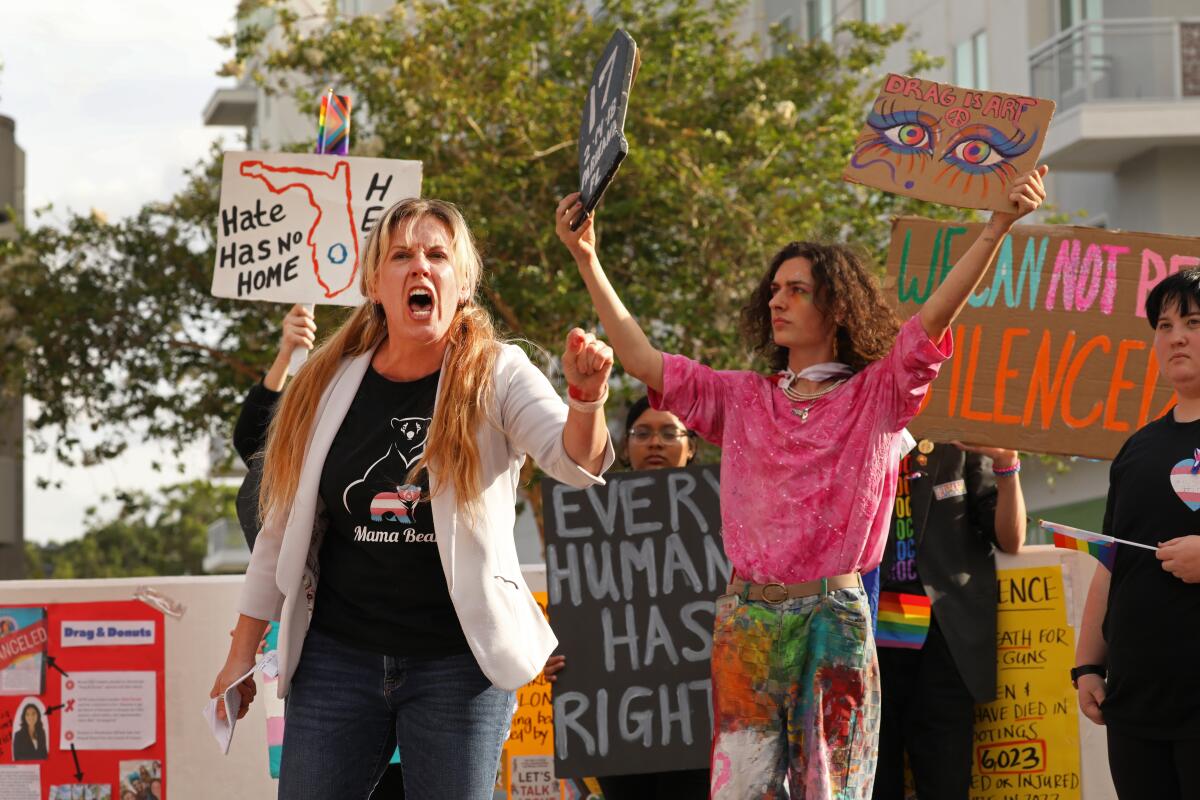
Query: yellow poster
{"points": [[527, 768], [1027, 740]]}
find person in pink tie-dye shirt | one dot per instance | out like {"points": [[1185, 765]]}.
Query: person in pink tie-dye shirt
{"points": [[808, 479]]}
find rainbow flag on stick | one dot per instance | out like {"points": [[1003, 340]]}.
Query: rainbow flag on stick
{"points": [[1101, 547], [903, 620], [333, 125]]}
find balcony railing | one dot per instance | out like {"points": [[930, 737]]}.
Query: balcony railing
{"points": [[1119, 60]]}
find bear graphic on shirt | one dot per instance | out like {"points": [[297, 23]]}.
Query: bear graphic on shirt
{"points": [[395, 500]]}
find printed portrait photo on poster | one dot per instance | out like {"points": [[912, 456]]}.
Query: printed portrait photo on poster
{"points": [[30, 731]]}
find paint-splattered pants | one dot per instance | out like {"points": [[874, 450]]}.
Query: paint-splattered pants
{"points": [[795, 694]]}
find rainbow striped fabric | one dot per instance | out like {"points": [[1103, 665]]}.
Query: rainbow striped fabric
{"points": [[333, 125], [903, 620], [1104, 552], [1102, 548]]}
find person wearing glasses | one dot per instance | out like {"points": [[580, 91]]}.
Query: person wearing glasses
{"points": [[654, 439]]}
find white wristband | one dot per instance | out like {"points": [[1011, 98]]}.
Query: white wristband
{"points": [[588, 406]]}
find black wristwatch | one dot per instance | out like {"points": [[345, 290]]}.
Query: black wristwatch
{"points": [[1087, 669]]}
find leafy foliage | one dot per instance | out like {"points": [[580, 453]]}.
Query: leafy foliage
{"points": [[165, 534], [732, 154]]}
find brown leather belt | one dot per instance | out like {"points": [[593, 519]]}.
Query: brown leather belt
{"points": [[779, 592]]}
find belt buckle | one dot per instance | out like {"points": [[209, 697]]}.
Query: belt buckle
{"points": [[778, 589]]}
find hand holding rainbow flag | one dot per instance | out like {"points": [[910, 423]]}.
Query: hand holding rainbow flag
{"points": [[1103, 548]]}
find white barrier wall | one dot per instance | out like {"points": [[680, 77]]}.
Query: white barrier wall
{"points": [[197, 643], [196, 646]]}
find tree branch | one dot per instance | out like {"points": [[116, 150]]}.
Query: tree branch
{"points": [[240, 367]]}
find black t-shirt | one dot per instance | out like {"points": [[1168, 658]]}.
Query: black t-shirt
{"points": [[381, 585], [898, 570], [1153, 617]]}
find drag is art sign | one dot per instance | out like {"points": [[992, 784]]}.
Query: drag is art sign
{"points": [[1053, 351], [292, 226], [950, 145]]}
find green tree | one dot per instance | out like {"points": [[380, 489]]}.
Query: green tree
{"points": [[159, 534], [732, 154]]}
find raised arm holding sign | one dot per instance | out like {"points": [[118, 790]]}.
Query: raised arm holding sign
{"points": [[814, 450]]}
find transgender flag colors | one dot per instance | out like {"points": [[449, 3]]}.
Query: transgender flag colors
{"points": [[903, 620]]}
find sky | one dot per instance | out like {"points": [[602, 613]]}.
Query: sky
{"points": [[108, 98]]}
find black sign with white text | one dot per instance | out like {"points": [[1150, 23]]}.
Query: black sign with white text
{"points": [[632, 571], [602, 144]]}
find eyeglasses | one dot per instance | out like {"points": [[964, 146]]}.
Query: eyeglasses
{"points": [[668, 435]]}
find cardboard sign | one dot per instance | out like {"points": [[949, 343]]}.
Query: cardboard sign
{"points": [[946, 144], [291, 225], [602, 144], [1027, 739], [632, 570], [1053, 352]]}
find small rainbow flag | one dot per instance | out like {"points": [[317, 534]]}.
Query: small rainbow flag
{"points": [[903, 620], [1099, 545], [333, 125], [1104, 552]]}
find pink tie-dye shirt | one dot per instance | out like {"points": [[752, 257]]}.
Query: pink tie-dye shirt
{"points": [[804, 500]]}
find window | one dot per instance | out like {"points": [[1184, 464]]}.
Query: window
{"points": [[820, 19], [971, 62], [873, 11], [1073, 12]]}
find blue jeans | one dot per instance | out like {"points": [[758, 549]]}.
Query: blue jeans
{"points": [[348, 709]]}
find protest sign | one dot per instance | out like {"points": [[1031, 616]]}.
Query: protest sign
{"points": [[291, 226], [947, 144], [1053, 352], [94, 717], [1027, 739], [602, 144], [632, 571], [527, 763]]}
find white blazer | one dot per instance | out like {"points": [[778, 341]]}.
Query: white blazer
{"points": [[504, 627]]}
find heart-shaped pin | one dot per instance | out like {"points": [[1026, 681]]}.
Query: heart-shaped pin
{"points": [[1185, 480]]}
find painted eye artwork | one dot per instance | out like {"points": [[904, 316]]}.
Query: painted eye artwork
{"points": [[903, 140], [950, 145], [984, 152]]}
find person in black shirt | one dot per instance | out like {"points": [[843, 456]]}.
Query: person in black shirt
{"points": [[1139, 652], [954, 506], [388, 503], [250, 431]]}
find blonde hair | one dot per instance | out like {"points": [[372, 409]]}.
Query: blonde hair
{"points": [[451, 452]]}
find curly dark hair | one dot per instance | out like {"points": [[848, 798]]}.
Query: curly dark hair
{"points": [[845, 292]]}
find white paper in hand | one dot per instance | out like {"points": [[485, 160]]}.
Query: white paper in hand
{"points": [[222, 729]]}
